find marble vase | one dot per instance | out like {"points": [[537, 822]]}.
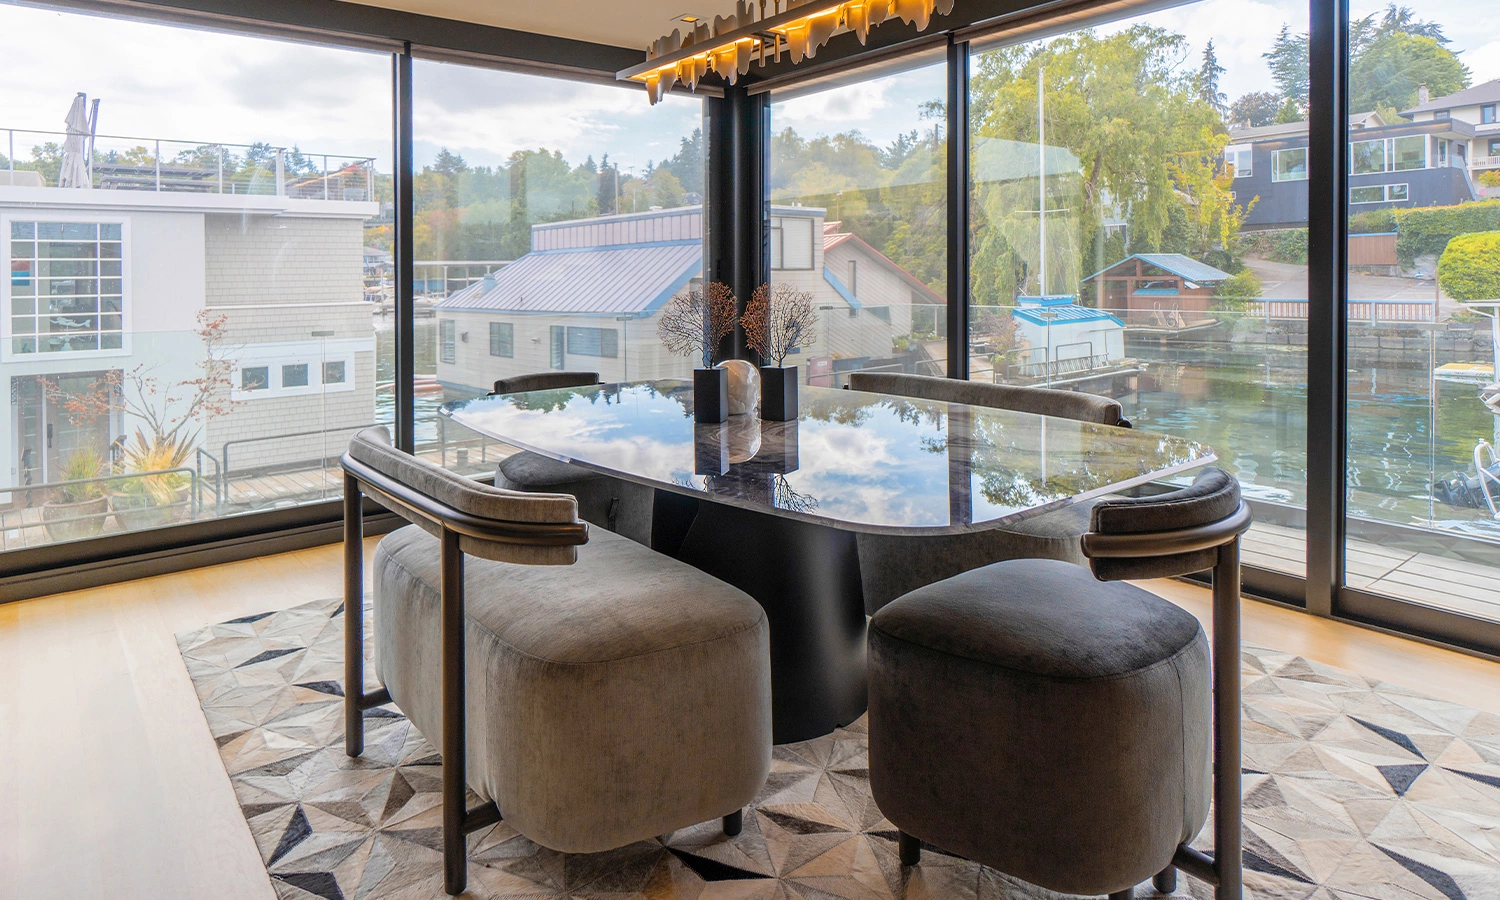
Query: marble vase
{"points": [[744, 386]]}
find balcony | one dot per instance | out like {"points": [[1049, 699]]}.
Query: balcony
{"points": [[156, 165]]}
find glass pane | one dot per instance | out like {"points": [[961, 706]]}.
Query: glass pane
{"points": [[570, 213], [859, 218], [1139, 232], [1424, 287], [160, 349]]}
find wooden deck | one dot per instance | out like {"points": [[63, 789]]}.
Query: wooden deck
{"points": [[1425, 578]]}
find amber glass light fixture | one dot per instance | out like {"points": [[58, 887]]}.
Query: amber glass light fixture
{"points": [[761, 30]]}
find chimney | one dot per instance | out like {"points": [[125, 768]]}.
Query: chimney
{"points": [[488, 281], [1422, 95]]}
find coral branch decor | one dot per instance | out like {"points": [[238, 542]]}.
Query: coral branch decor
{"points": [[694, 322], [777, 321], [759, 31]]}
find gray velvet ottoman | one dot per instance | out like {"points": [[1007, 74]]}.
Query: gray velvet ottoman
{"points": [[1033, 719], [612, 700]]}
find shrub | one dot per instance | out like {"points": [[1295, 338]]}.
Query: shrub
{"points": [[1236, 291], [1488, 179], [1469, 268], [1375, 221], [1287, 245], [1428, 229]]}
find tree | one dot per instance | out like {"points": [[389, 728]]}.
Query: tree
{"points": [[1290, 112], [666, 191], [609, 187], [1288, 60], [1386, 75], [1255, 109], [1207, 81], [449, 164]]}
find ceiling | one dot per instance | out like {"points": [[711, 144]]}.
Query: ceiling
{"points": [[623, 23]]}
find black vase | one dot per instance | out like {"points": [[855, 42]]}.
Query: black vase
{"points": [[710, 395], [778, 393]]}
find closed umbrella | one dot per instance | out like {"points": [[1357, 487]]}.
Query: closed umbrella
{"points": [[75, 167]]}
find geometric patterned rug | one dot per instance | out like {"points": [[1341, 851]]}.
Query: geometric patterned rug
{"points": [[1353, 789]]}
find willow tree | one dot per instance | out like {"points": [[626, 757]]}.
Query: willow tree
{"points": [[1125, 107]]}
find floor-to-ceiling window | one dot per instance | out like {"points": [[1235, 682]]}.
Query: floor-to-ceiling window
{"points": [[554, 220], [194, 243], [1423, 291], [859, 217], [1138, 212]]}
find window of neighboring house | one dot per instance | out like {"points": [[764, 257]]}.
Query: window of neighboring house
{"points": [[1239, 159], [67, 286], [791, 242], [448, 340], [1487, 114], [883, 313], [854, 277], [1378, 193], [502, 339], [294, 375], [1494, 147], [1366, 157], [334, 372], [255, 378], [1289, 165], [594, 342], [1442, 115], [1409, 152], [556, 340]]}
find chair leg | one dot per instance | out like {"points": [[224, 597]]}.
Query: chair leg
{"points": [[354, 619], [455, 770], [1127, 894], [1228, 837], [1165, 881], [909, 848], [734, 823]]}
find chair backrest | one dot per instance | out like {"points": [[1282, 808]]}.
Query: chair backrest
{"points": [[543, 381], [1170, 534], [493, 523], [1041, 401]]}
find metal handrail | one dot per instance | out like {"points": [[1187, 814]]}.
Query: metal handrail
{"points": [[193, 477]]}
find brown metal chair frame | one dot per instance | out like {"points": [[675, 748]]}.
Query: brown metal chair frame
{"points": [[1224, 869], [453, 525]]}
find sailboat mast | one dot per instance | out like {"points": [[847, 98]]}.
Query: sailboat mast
{"points": [[1041, 190]]}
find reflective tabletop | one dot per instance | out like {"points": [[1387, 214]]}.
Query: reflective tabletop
{"points": [[856, 461]]}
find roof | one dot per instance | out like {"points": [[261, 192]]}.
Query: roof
{"points": [[834, 238], [1486, 93], [1176, 263], [1239, 135], [633, 279], [1048, 314]]}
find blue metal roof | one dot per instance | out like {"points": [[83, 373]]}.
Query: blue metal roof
{"points": [[1050, 314], [1176, 263], [632, 279]]}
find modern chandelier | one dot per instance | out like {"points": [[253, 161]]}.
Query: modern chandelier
{"points": [[760, 31]]}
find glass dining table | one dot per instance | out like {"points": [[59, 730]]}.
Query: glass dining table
{"points": [[778, 508]]}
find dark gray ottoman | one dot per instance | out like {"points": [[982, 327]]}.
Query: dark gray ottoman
{"points": [[1035, 720]]}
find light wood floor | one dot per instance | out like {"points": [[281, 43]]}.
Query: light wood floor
{"points": [[110, 785]]}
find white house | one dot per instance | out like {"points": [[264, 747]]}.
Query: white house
{"points": [[1478, 106], [112, 281], [589, 293]]}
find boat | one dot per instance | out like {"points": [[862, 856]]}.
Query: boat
{"points": [[1478, 491]]}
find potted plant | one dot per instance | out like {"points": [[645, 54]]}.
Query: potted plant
{"points": [[78, 508], [777, 321], [155, 495], [692, 324]]}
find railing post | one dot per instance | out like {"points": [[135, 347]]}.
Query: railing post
{"points": [[325, 176], [281, 171], [158, 166], [221, 168]]}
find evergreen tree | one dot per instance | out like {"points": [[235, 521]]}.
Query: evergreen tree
{"points": [[1288, 61], [1208, 81], [609, 187]]}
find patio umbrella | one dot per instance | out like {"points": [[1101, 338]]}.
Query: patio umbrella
{"points": [[75, 168]]}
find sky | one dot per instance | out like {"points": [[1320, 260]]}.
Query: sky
{"points": [[173, 83]]}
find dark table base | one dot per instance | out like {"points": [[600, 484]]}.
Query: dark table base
{"points": [[806, 577]]}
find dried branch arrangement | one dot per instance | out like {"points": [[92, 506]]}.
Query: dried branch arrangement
{"points": [[696, 320], [778, 320]]}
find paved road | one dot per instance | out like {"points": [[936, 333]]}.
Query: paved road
{"points": [[1286, 281]]}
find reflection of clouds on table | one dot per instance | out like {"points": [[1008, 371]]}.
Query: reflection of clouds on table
{"points": [[852, 458]]}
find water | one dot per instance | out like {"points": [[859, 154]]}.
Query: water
{"points": [[1251, 405]]}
